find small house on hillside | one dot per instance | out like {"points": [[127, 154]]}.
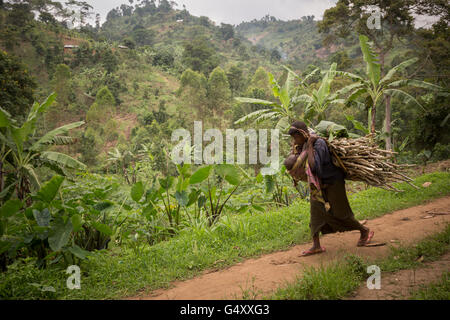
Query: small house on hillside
{"points": [[69, 47]]}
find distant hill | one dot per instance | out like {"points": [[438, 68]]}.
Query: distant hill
{"points": [[297, 41], [171, 29]]}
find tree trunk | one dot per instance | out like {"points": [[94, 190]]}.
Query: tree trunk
{"points": [[388, 124]]}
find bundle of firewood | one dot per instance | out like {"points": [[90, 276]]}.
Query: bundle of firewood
{"points": [[363, 160]]}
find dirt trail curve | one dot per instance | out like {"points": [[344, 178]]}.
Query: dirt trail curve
{"points": [[267, 273]]}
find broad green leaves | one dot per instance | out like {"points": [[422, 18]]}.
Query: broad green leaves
{"points": [[137, 191], [54, 136], [396, 69], [406, 96], [166, 183], [269, 182], [77, 222], [229, 172], [37, 108], [316, 102], [415, 83], [325, 86], [20, 157], [63, 160], [5, 118], [42, 217], [188, 190], [50, 189], [371, 59], [103, 228], [78, 252], [328, 128], [200, 175], [277, 111], [358, 125], [182, 198], [59, 234], [255, 101], [10, 208]]}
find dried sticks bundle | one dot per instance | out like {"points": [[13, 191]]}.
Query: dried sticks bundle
{"points": [[364, 161]]}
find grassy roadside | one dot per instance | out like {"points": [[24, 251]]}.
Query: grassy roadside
{"points": [[439, 290], [339, 280], [123, 272]]}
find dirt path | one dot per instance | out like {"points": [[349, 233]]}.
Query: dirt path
{"points": [[267, 273], [399, 285]]}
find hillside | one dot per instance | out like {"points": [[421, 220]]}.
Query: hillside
{"points": [[170, 29], [296, 41]]}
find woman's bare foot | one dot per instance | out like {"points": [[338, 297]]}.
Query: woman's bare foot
{"points": [[312, 251], [366, 237], [364, 233]]}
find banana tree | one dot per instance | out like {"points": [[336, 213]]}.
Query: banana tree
{"points": [[282, 112], [121, 160], [22, 152], [317, 101], [375, 88]]}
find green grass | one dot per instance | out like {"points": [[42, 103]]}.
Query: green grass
{"points": [[325, 283], [439, 290], [122, 272], [342, 278]]}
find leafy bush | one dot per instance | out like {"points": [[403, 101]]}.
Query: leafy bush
{"points": [[441, 152], [16, 94]]}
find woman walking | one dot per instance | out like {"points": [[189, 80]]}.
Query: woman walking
{"points": [[330, 209]]}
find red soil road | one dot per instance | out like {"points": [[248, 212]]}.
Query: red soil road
{"points": [[265, 274]]}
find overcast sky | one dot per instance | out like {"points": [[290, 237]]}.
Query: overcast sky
{"points": [[236, 11]]}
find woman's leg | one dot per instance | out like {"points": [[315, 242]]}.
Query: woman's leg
{"points": [[316, 242], [316, 248], [337, 196], [317, 223]]}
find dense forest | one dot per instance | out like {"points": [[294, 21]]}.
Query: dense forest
{"points": [[88, 110]]}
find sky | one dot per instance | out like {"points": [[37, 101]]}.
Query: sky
{"points": [[236, 11]]}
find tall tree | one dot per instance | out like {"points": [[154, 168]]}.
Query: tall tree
{"points": [[103, 107], [261, 80], [193, 91], [16, 85], [227, 31], [236, 79], [200, 56], [219, 93]]}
